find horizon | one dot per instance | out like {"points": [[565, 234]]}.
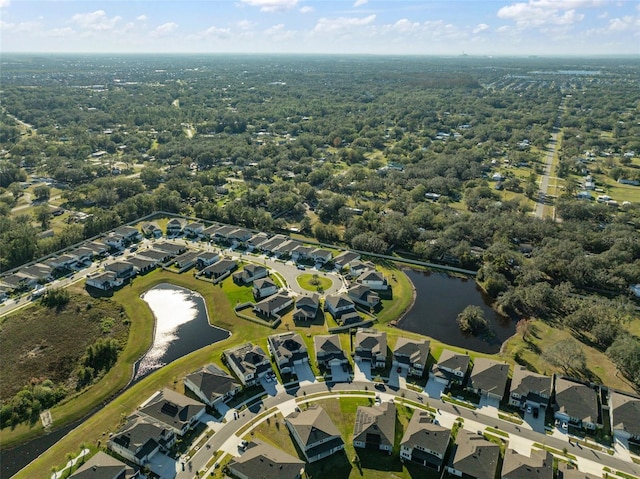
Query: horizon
{"points": [[494, 28]]}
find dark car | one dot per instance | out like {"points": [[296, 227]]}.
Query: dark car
{"points": [[536, 411]]}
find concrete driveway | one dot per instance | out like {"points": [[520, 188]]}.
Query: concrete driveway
{"points": [[537, 424], [304, 373], [269, 386], [339, 375], [398, 379], [362, 371], [164, 466], [434, 389]]}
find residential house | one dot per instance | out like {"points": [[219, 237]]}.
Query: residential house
{"points": [[374, 280], [84, 254], [272, 243], [329, 351], [576, 403], [338, 305], [64, 261], [424, 442], [450, 368], [141, 265], [176, 410], [571, 471], [206, 258], [624, 410], [529, 388], [344, 259], [129, 233], [219, 269], [115, 241], [39, 273], [104, 466], [286, 248], [194, 230], [105, 281], [307, 308], [263, 461], [175, 226], [364, 296], [272, 305], [371, 345], [358, 268], [264, 287], [99, 249], [412, 354], [210, 231], [173, 248], [239, 236], [141, 438], [256, 240], [155, 255], [287, 350], [375, 427], [314, 432], [301, 253], [248, 362], [16, 282], [186, 260], [249, 274], [122, 269], [322, 256], [489, 378], [151, 230], [223, 232], [473, 457], [539, 465], [212, 385], [4, 293]]}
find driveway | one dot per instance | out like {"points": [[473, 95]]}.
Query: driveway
{"points": [[489, 406], [304, 373], [434, 389], [537, 424], [362, 371], [269, 386], [164, 466], [339, 375], [398, 379]]}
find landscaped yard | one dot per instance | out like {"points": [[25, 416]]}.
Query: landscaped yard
{"points": [[313, 282]]}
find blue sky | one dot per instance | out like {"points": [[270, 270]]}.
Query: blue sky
{"points": [[429, 27]]}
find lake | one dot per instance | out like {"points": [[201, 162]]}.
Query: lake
{"points": [[182, 326], [439, 300]]}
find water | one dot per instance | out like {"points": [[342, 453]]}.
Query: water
{"points": [[182, 326], [439, 300], [180, 314]]}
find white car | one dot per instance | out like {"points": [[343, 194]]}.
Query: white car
{"points": [[528, 409]]}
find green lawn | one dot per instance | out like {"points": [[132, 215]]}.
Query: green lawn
{"points": [[313, 282]]}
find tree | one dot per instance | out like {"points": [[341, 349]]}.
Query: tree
{"points": [[472, 321], [625, 353], [524, 327], [42, 192], [566, 354], [43, 215]]}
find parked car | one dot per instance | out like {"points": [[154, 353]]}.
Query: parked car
{"points": [[536, 411], [528, 409]]}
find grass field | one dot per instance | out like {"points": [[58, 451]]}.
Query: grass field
{"points": [[313, 282]]}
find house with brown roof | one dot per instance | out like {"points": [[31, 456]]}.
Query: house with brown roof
{"points": [[624, 410], [141, 438], [104, 466], [375, 427], [529, 388], [412, 354], [329, 351], [272, 305], [314, 432], [539, 465], [473, 457], [576, 403], [489, 378], [307, 308], [450, 368], [212, 385], [338, 305], [176, 410], [263, 461], [370, 345], [424, 442]]}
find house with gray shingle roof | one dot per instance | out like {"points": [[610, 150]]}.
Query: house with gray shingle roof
{"points": [[571, 471], [307, 308], [250, 273], [450, 368], [374, 279], [212, 385], [375, 427], [424, 442], [344, 259], [328, 350], [364, 296], [104, 466], [315, 433], [370, 345], [529, 388], [539, 465], [287, 350], [473, 457], [624, 410], [338, 305], [411, 353], [141, 438], [272, 305], [576, 403], [176, 410], [263, 461], [248, 362], [264, 287], [489, 378]]}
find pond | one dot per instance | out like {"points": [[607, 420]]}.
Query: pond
{"points": [[182, 326], [439, 300]]}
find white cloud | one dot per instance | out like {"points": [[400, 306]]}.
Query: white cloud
{"points": [[65, 32], [307, 9], [404, 26], [540, 13], [624, 24], [272, 5], [5, 3], [165, 29], [22, 27], [481, 27], [332, 25], [141, 18], [96, 21], [245, 24], [359, 3], [217, 32], [278, 33]]}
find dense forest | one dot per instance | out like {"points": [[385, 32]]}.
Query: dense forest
{"points": [[383, 154]]}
